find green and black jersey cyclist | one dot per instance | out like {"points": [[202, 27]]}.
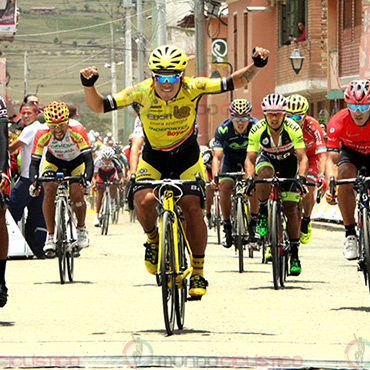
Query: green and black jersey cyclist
{"points": [[276, 145], [167, 106]]}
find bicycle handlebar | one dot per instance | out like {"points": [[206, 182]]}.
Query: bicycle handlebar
{"points": [[358, 180], [170, 182]]}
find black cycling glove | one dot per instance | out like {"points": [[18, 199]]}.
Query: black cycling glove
{"points": [[88, 81], [258, 61]]}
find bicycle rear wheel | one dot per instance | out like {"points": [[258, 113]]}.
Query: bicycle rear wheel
{"points": [[366, 245], [240, 232], [115, 208], [61, 239], [167, 272], [276, 239], [182, 290]]}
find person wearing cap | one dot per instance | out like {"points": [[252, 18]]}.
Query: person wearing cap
{"points": [[167, 106]]}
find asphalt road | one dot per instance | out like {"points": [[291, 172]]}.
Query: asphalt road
{"points": [[112, 314]]}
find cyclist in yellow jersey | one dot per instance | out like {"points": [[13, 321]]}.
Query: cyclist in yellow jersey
{"points": [[167, 106], [276, 146]]}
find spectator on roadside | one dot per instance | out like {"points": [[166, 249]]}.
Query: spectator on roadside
{"points": [[19, 196]]}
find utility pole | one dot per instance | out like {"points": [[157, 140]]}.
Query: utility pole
{"points": [[127, 5], [113, 75], [201, 68], [140, 44], [162, 22], [25, 73]]}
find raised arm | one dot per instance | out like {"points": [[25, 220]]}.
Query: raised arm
{"points": [[245, 75], [93, 98]]}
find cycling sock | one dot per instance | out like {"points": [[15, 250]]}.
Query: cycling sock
{"points": [[208, 215], [227, 225], [198, 264], [2, 271], [253, 221], [304, 224], [152, 235], [294, 244], [350, 230], [263, 207]]}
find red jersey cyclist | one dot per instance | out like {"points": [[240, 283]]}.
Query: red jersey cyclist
{"points": [[68, 151], [107, 167], [348, 150], [313, 137]]}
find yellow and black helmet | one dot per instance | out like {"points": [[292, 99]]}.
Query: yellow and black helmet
{"points": [[55, 112], [296, 104], [167, 58]]}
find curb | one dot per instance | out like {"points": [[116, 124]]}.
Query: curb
{"points": [[330, 226]]}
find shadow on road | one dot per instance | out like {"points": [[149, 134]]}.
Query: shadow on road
{"points": [[7, 323], [364, 309], [67, 283]]}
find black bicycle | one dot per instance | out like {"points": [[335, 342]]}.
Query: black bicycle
{"points": [[240, 216], [277, 239], [361, 188]]}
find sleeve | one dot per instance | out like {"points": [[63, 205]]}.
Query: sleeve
{"points": [[333, 132], [139, 94], [254, 136], [319, 138], [118, 165], [218, 144], [89, 164], [202, 85]]}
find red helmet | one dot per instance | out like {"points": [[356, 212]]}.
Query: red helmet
{"points": [[357, 92]]}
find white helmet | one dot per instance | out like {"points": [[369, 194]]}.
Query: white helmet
{"points": [[274, 103], [107, 153]]}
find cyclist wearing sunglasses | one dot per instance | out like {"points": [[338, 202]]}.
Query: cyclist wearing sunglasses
{"points": [[313, 137], [230, 150], [276, 146], [349, 150], [68, 151], [167, 106]]}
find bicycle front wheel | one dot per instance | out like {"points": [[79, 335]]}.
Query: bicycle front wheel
{"points": [[276, 240], [167, 272], [216, 200], [181, 291], [366, 245], [61, 239], [240, 231], [104, 222], [71, 242]]}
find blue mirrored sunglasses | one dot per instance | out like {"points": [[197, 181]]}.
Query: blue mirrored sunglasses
{"points": [[360, 107], [295, 117], [243, 119], [169, 78]]}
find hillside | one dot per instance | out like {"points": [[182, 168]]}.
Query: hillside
{"points": [[59, 44]]}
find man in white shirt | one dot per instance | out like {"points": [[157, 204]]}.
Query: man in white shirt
{"points": [[19, 196]]}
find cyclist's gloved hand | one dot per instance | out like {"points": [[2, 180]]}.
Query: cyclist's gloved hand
{"points": [[250, 186], [89, 78], [258, 60], [34, 192], [87, 187]]}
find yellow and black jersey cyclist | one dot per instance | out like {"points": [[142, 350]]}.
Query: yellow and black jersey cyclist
{"points": [[167, 106], [276, 146]]}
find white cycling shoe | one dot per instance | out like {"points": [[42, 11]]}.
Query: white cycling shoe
{"points": [[350, 250]]}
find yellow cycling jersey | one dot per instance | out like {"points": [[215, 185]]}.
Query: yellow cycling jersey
{"points": [[167, 124], [290, 138]]}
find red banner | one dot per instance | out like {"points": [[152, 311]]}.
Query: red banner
{"points": [[8, 20]]}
